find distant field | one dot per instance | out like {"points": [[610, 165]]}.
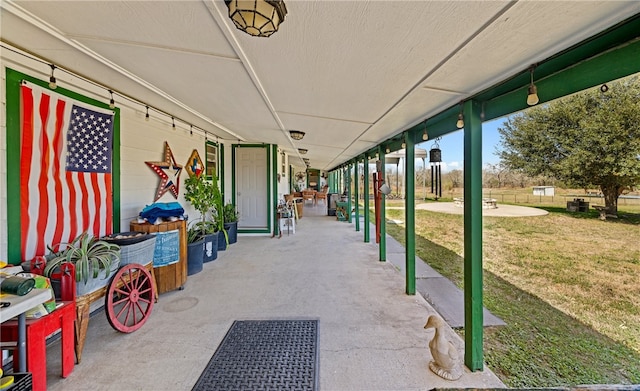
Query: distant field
{"points": [[567, 284], [524, 196]]}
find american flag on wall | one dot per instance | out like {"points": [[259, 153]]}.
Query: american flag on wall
{"points": [[65, 170]]}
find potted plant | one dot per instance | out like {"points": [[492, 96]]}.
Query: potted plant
{"points": [[200, 236], [94, 260], [230, 217], [217, 214], [207, 231], [195, 251]]}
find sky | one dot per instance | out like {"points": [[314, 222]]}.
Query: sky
{"points": [[452, 146]]}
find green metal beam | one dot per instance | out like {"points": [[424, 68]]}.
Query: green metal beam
{"points": [[593, 72], [365, 195], [410, 216], [473, 321]]}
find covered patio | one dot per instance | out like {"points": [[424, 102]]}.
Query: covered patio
{"points": [[352, 81]]}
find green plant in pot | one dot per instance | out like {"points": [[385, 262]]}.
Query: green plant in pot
{"points": [[217, 213], [230, 216], [94, 259], [202, 234]]}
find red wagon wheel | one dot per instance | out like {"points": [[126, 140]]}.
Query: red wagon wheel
{"points": [[130, 297]]}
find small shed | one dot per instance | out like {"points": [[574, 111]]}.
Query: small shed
{"points": [[544, 190]]}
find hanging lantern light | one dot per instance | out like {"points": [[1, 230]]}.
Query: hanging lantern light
{"points": [[259, 18]]}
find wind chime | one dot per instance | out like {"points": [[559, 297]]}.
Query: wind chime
{"points": [[435, 161]]}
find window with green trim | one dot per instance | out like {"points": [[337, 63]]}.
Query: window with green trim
{"points": [[211, 163]]}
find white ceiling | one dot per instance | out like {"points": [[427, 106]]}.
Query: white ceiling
{"points": [[348, 73]]}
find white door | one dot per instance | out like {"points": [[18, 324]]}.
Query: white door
{"points": [[252, 187]]}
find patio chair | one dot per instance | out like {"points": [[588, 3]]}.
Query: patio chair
{"points": [[322, 195], [309, 195]]}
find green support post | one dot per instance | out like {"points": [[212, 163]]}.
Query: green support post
{"points": [[383, 215], [356, 177], [274, 169], [334, 181], [366, 198], [473, 319], [410, 215], [347, 176]]}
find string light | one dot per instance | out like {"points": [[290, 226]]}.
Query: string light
{"points": [[460, 123], [112, 103], [53, 85], [532, 97], [191, 131], [425, 136], [404, 143], [173, 123], [52, 79]]}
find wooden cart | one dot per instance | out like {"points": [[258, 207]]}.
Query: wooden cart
{"points": [[129, 297]]}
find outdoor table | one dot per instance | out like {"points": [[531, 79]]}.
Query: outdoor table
{"points": [[19, 305]]}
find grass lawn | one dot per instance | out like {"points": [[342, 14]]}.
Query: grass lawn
{"points": [[566, 284]]}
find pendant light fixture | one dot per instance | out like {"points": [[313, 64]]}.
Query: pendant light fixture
{"points": [[259, 18], [532, 97], [296, 134]]}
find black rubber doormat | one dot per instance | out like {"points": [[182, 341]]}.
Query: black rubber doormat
{"points": [[264, 355]]}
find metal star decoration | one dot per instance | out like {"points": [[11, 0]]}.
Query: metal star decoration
{"points": [[169, 173]]}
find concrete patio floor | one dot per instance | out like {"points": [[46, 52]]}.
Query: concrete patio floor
{"points": [[371, 332]]}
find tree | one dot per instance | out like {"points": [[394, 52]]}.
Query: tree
{"points": [[586, 140], [499, 172], [455, 176]]}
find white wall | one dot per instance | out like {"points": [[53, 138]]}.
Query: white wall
{"points": [[140, 141]]}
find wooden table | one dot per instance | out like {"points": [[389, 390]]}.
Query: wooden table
{"points": [[172, 276], [19, 305]]}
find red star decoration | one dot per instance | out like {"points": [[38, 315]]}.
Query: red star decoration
{"points": [[169, 173]]}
